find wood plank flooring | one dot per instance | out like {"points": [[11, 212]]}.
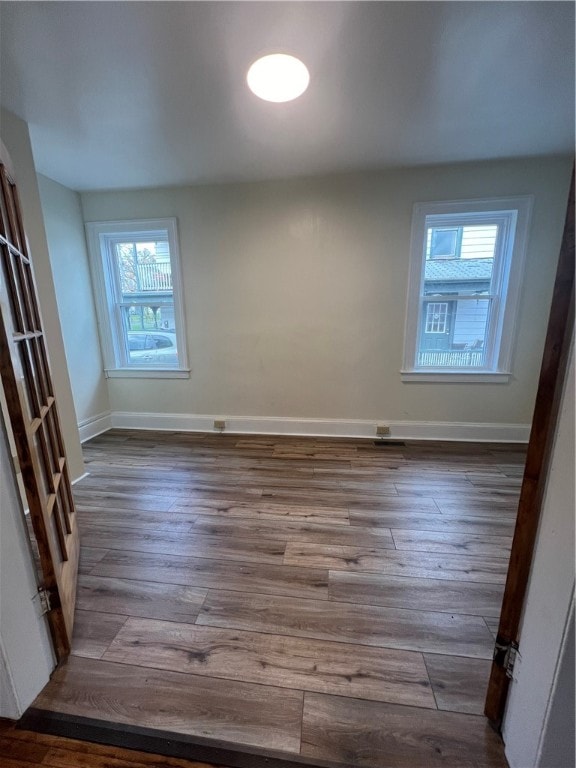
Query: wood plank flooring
{"points": [[272, 659], [375, 735], [325, 600], [224, 710], [25, 749]]}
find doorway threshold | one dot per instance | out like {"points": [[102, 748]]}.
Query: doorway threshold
{"points": [[166, 743]]}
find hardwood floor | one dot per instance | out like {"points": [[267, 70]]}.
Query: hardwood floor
{"points": [[323, 601], [376, 735], [25, 749]]}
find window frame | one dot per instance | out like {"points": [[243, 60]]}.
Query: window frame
{"points": [[514, 215], [100, 235]]}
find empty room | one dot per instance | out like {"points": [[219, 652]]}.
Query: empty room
{"points": [[286, 352]]}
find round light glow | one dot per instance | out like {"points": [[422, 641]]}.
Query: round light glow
{"points": [[278, 77]]}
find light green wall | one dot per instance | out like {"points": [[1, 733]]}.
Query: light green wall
{"points": [[14, 134], [72, 281], [295, 293]]}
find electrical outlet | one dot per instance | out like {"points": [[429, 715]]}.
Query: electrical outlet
{"points": [[219, 424], [382, 430]]}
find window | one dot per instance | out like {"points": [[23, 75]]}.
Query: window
{"points": [[136, 273], [436, 315], [465, 272], [444, 242]]}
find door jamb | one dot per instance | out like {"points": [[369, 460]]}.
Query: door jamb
{"points": [[544, 423]]}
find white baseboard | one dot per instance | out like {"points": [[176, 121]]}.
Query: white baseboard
{"points": [[94, 425], [270, 425]]}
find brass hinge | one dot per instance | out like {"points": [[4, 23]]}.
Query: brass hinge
{"points": [[48, 599], [505, 653]]}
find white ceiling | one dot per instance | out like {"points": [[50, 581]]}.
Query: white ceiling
{"points": [[146, 94]]}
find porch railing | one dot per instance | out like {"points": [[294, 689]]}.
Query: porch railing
{"points": [[451, 359], [154, 277]]}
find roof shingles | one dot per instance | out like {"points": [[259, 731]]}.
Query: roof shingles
{"points": [[458, 270]]}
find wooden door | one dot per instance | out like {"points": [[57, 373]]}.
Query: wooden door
{"points": [[550, 386], [33, 417]]}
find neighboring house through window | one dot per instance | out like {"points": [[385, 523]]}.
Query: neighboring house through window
{"points": [[465, 272], [136, 270]]}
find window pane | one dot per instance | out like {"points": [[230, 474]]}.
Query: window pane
{"points": [[144, 267], [459, 263], [146, 349], [476, 241], [150, 329], [150, 335], [469, 271], [453, 333], [148, 317]]}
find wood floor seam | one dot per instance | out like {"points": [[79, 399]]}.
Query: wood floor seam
{"points": [[428, 673]]}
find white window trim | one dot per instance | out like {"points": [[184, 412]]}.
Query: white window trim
{"points": [[499, 369], [147, 373], [96, 231]]}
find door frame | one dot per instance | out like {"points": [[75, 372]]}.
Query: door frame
{"points": [[544, 423]]}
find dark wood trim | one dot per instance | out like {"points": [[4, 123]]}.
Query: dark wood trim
{"points": [[165, 743], [31, 415], [544, 422]]}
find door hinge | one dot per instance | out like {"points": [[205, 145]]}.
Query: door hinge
{"points": [[505, 653], [48, 599]]}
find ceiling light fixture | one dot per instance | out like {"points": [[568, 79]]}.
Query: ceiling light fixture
{"points": [[278, 77]]}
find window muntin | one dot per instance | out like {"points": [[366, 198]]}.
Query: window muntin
{"points": [[136, 271], [462, 260]]}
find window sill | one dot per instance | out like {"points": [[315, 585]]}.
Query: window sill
{"points": [[147, 373], [457, 377]]}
